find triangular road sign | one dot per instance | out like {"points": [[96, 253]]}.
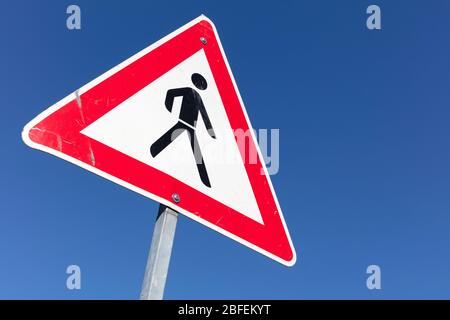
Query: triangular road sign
{"points": [[164, 123]]}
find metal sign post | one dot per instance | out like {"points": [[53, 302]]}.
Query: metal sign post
{"points": [[159, 255]]}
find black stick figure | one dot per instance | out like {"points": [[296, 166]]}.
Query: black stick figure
{"points": [[191, 106]]}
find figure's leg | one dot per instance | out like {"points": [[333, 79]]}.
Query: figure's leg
{"points": [[199, 158], [171, 134]]}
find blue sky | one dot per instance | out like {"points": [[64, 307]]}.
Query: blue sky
{"points": [[364, 155]]}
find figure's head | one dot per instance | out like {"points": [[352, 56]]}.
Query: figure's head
{"points": [[199, 81]]}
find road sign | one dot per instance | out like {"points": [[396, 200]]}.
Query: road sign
{"points": [[163, 123]]}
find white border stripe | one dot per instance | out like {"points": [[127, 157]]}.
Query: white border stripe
{"points": [[93, 83]]}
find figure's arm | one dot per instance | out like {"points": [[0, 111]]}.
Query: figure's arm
{"points": [[206, 120], [171, 94]]}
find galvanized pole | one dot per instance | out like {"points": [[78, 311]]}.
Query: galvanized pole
{"points": [[159, 255]]}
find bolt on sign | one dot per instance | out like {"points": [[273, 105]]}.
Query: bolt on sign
{"points": [[156, 124]]}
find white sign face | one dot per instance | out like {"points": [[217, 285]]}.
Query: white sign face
{"points": [[165, 124], [133, 125]]}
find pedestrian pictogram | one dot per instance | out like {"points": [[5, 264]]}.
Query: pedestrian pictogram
{"points": [[191, 106]]}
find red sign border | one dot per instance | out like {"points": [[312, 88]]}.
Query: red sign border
{"points": [[57, 131]]}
